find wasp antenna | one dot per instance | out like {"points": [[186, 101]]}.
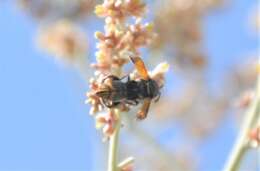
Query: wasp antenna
{"points": [[102, 93], [161, 86], [132, 59]]}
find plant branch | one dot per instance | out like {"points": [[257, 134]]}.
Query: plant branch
{"points": [[163, 153], [113, 145], [241, 144]]}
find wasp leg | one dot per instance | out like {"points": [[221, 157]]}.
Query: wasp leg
{"points": [[110, 104], [110, 76], [158, 97], [132, 102], [136, 102], [128, 77], [142, 113], [106, 103], [114, 104], [161, 86]]}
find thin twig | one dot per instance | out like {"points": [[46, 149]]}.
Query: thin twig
{"points": [[126, 162], [113, 145], [241, 144], [164, 153]]}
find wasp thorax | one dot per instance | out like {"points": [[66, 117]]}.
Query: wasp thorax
{"points": [[153, 88]]}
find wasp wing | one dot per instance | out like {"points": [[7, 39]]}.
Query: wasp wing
{"points": [[140, 67], [142, 113]]}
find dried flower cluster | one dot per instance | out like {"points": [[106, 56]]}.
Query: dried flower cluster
{"points": [[179, 27], [119, 40], [254, 137], [245, 99], [56, 9], [63, 40]]}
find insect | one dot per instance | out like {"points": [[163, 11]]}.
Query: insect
{"points": [[114, 91]]}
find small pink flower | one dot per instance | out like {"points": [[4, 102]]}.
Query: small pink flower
{"points": [[107, 122], [254, 137], [245, 99]]}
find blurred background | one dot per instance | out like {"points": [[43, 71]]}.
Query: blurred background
{"points": [[47, 46]]}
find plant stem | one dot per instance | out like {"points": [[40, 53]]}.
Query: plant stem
{"points": [[113, 145], [126, 162], [241, 144], [163, 153]]}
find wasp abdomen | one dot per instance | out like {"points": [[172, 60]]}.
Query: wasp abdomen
{"points": [[119, 91], [133, 90]]}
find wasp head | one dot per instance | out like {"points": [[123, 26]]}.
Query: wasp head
{"points": [[104, 92]]}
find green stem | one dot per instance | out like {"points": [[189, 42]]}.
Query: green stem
{"points": [[241, 144], [163, 153], [126, 162], [113, 145]]}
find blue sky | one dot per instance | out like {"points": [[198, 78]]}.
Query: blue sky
{"points": [[44, 124]]}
